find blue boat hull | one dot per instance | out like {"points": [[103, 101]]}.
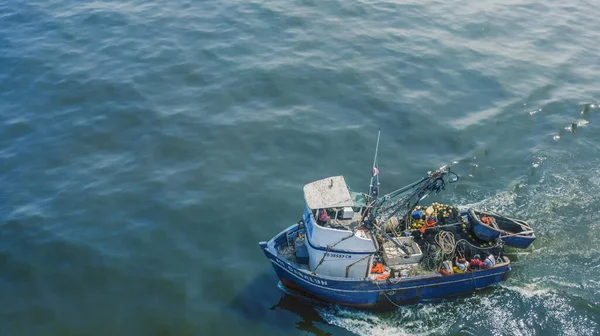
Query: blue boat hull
{"points": [[485, 232], [518, 241], [371, 293]]}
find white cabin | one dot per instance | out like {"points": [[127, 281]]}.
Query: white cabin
{"points": [[347, 248]]}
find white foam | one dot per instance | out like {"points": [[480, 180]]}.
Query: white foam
{"points": [[496, 202], [361, 323], [527, 290], [562, 283], [535, 111], [410, 320]]}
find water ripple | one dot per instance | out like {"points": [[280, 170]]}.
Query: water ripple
{"points": [[147, 146]]}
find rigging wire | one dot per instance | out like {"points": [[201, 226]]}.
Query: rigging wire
{"points": [[378, 209]]}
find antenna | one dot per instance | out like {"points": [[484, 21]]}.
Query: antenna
{"points": [[374, 189]]}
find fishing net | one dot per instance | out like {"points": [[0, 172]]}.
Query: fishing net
{"points": [[401, 202], [440, 244]]}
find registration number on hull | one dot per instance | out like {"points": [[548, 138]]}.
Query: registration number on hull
{"points": [[338, 255], [300, 274]]}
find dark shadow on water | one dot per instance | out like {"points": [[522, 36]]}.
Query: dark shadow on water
{"points": [[304, 309], [263, 301]]}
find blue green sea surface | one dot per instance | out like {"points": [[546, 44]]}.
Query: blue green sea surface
{"points": [[146, 147]]}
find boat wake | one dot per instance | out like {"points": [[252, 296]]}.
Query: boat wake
{"points": [[502, 312], [421, 319], [528, 290]]}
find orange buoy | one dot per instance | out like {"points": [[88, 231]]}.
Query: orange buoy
{"points": [[378, 268], [429, 223]]}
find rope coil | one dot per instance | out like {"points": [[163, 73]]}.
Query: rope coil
{"points": [[445, 239]]}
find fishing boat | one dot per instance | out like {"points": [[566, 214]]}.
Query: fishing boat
{"points": [[490, 226], [366, 250]]}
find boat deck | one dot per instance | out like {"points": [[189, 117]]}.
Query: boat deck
{"points": [[286, 248]]}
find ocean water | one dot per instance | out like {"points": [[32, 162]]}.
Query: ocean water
{"points": [[147, 146]]}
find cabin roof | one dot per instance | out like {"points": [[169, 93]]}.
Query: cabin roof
{"points": [[329, 192]]}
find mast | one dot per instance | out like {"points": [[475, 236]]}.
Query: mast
{"points": [[374, 188], [368, 216]]}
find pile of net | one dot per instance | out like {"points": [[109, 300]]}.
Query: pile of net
{"points": [[436, 214], [449, 236]]}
